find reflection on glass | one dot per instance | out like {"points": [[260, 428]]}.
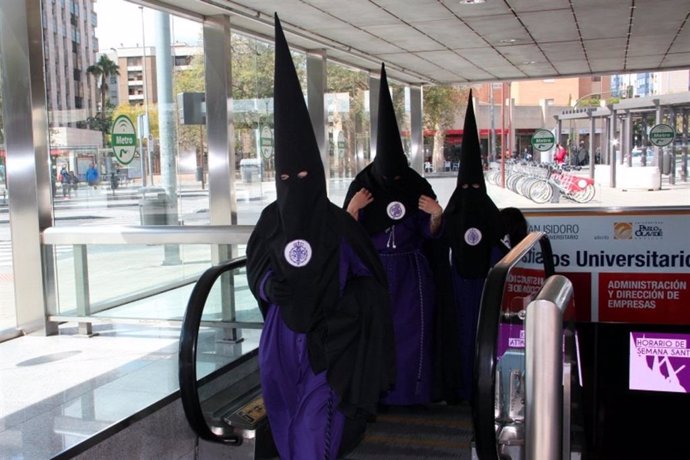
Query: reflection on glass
{"points": [[252, 91], [131, 281], [401, 104], [151, 171], [348, 120]]}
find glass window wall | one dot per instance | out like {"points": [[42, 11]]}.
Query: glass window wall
{"points": [[119, 152]]}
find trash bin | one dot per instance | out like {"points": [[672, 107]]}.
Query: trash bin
{"points": [[666, 163], [153, 207], [250, 170]]}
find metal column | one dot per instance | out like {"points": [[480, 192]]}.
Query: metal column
{"points": [[417, 138], [592, 131], [26, 129], [219, 121], [626, 138], [221, 151], [374, 89], [612, 144]]}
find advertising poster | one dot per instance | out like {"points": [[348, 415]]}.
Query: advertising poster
{"points": [[631, 267], [659, 362], [510, 336]]}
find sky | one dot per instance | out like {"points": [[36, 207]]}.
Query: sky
{"points": [[120, 24]]}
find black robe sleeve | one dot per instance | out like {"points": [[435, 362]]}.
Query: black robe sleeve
{"points": [[258, 256], [360, 347]]}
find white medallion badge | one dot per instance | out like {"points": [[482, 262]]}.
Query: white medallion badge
{"points": [[298, 253], [395, 210], [473, 236]]}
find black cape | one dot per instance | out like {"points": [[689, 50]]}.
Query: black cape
{"points": [[374, 217], [349, 336]]}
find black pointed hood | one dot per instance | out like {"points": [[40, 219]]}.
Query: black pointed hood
{"points": [[390, 160], [472, 220], [471, 169], [392, 183], [296, 149]]}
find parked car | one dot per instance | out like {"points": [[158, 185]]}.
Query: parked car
{"points": [[637, 156]]}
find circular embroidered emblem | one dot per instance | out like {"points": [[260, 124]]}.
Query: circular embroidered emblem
{"points": [[395, 210], [297, 253], [473, 236]]}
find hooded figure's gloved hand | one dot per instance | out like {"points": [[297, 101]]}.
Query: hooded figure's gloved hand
{"points": [[278, 290]]}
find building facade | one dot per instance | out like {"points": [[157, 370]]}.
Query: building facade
{"points": [[69, 28]]}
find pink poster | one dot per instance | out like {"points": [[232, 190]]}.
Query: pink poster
{"points": [[659, 362]]}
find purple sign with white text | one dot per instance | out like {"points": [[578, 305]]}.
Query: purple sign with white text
{"points": [[510, 336], [660, 362]]}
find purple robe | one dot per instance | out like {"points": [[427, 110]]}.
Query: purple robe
{"points": [[413, 307], [302, 406]]}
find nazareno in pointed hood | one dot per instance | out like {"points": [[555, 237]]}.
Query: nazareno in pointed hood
{"points": [[395, 186], [472, 171], [473, 225], [390, 160], [299, 196]]}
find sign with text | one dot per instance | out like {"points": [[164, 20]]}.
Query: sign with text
{"points": [[266, 141], [543, 140], [123, 138], [662, 134], [659, 362], [625, 267]]}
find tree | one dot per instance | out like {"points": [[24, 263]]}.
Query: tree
{"points": [[441, 103], [351, 124], [103, 69]]}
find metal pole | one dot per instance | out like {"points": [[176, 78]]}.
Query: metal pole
{"points": [[544, 437], [503, 136], [147, 123], [492, 138]]}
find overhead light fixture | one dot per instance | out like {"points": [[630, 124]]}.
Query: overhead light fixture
{"points": [[507, 41], [471, 2]]}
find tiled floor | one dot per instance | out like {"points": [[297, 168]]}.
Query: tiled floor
{"points": [[57, 391]]}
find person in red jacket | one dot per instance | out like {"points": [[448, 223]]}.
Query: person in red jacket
{"points": [[559, 156]]}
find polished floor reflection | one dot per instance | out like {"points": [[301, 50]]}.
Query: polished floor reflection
{"points": [[58, 391]]}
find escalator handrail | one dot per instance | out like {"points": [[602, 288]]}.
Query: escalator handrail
{"points": [[483, 402], [189, 335]]}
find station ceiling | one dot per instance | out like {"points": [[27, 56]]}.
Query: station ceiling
{"points": [[465, 41]]}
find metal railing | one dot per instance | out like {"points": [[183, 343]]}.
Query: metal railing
{"points": [[221, 238], [546, 437], [484, 400]]}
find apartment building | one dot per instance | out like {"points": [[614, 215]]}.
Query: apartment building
{"points": [[69, 28]]}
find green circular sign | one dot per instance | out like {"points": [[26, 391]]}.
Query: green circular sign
{"points": [[543, 140], [266, 141], [123, 138], [662, 135]]}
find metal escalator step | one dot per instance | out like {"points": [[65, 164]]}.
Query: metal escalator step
{"points": [[249, 416]]}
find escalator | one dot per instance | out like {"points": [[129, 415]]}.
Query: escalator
{"points": [[221, 394], [509, 408], [224, 407]]}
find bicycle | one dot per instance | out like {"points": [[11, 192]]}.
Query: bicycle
{"points": [[577, 188]]}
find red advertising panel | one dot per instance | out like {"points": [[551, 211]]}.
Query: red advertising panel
{"points": [[625, 266], [652, 298]]}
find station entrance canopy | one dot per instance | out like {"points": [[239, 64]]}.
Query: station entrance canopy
{"points": [[468, 41]]}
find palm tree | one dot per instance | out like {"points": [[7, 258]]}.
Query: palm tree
{"points": [[103, 69]]}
